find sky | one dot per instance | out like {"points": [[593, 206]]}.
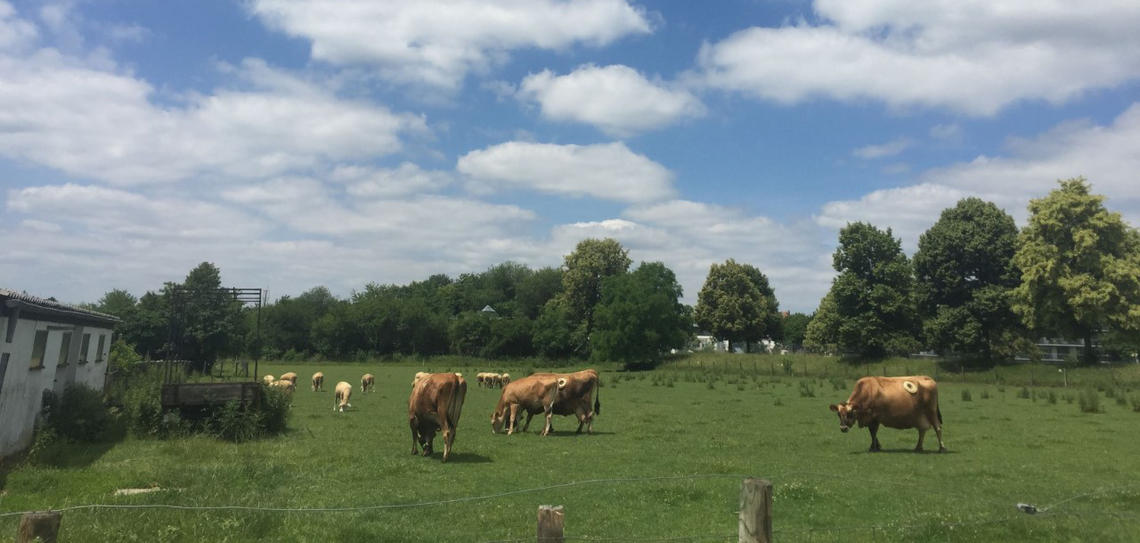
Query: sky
{"points": [[297, 144]]}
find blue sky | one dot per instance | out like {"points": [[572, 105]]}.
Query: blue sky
{"points": [[297, 144]]}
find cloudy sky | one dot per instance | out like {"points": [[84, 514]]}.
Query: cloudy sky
{"points": [[297, 144]]}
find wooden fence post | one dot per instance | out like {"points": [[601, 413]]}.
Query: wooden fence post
{"points": [[550, 519], [43, 525], [755, 511]]}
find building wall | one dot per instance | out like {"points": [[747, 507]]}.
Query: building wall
{"points": [[21, 394]]}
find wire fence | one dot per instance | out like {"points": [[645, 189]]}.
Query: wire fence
{"points": [[998, 510]]}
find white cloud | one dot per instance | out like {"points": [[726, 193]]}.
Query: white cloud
{"points": [[95, 121], [406, 179], [607, 171], [1108, 156], [15, 33], [437, 42], [951, 133], [616, 99], [973, 56], [890, 148]]}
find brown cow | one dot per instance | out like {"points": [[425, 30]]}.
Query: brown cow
{"points": [[435, 404], [576, 391], [318, 381], [341, 396], [894, 402], [291, 376], [367, 382], [534, 394]]}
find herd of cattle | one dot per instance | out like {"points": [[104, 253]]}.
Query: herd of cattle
{"points": [[436, 403]]}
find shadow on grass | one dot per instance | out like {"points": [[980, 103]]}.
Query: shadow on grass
{"points": [[463, 458], [908, 450], [572, 433]]}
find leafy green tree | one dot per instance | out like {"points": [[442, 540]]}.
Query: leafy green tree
{"points": [[288, 324], [794, 328], [1080, 267], [553, 334], [117, 302], [148, 328], [208, 318], [736, 303], [822, 333], [470, 333], [640, 317], [510, 337], [964, 280], [584, 270], [537, 289], [874, 293], [338, 334]]}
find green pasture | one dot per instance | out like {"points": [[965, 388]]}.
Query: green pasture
{"points": [[669, 451]]}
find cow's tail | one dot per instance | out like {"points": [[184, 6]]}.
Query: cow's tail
{"points": [[598, 396], [457, 397], [939, 409]]}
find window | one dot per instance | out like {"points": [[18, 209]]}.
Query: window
{"points": [[102, 343], [64, 349], [38, 348], [85, 348]]}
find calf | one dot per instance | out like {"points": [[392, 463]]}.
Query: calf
{"points": [[291, 376], [367, 382], [894, 402], [435, 404], [318, 381], [268, 379]]}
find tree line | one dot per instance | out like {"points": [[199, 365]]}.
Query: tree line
{"points": [[977, 287]]}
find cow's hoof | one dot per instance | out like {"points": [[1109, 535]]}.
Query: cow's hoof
{"points": [[941, 449]]}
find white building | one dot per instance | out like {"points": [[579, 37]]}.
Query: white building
{"points": [[45, 345]]}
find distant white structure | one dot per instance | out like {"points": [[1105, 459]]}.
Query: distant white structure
{"points": [[705, 342], [45, 345]]}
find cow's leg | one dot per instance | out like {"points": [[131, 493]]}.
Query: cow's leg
{"points": [[546, 431], [514, 419], [937, 424], [921, 435], [415, 436], [581, 419], [448, 434], [874, 428]]}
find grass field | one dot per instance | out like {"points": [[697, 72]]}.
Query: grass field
{"points": [[656, 430]]}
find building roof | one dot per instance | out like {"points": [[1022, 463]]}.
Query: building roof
{"points": [[12, 300]]}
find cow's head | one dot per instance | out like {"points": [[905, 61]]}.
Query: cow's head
{"points": [[846, 413]]}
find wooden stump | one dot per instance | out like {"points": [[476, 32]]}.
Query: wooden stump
{"points": [[550, 519], [40, 524], [755, 511]]}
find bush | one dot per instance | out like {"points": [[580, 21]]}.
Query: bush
{"points": [[232, 422], [79, 415], [274, 413], [1090, 401], [966, 396], [806, 389]]}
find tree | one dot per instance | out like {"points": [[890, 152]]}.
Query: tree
{"points": [[149, 327], [554, 331], [1080, 267], [117, 302], [794, 328], [537, 289], [736, 303], [964, 280], [584, 270], [209, 319], [822, 332], [873, 293], [640, 317]]}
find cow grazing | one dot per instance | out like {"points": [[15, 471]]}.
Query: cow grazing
{"points": [[367, 382], [480, 378], [285, 385], [318, 381], [576, 392], [894, 402], [291, 376], [496, 380], [268, 379], [534, 394], [341, 396], [505, 379], [435, 404]]}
